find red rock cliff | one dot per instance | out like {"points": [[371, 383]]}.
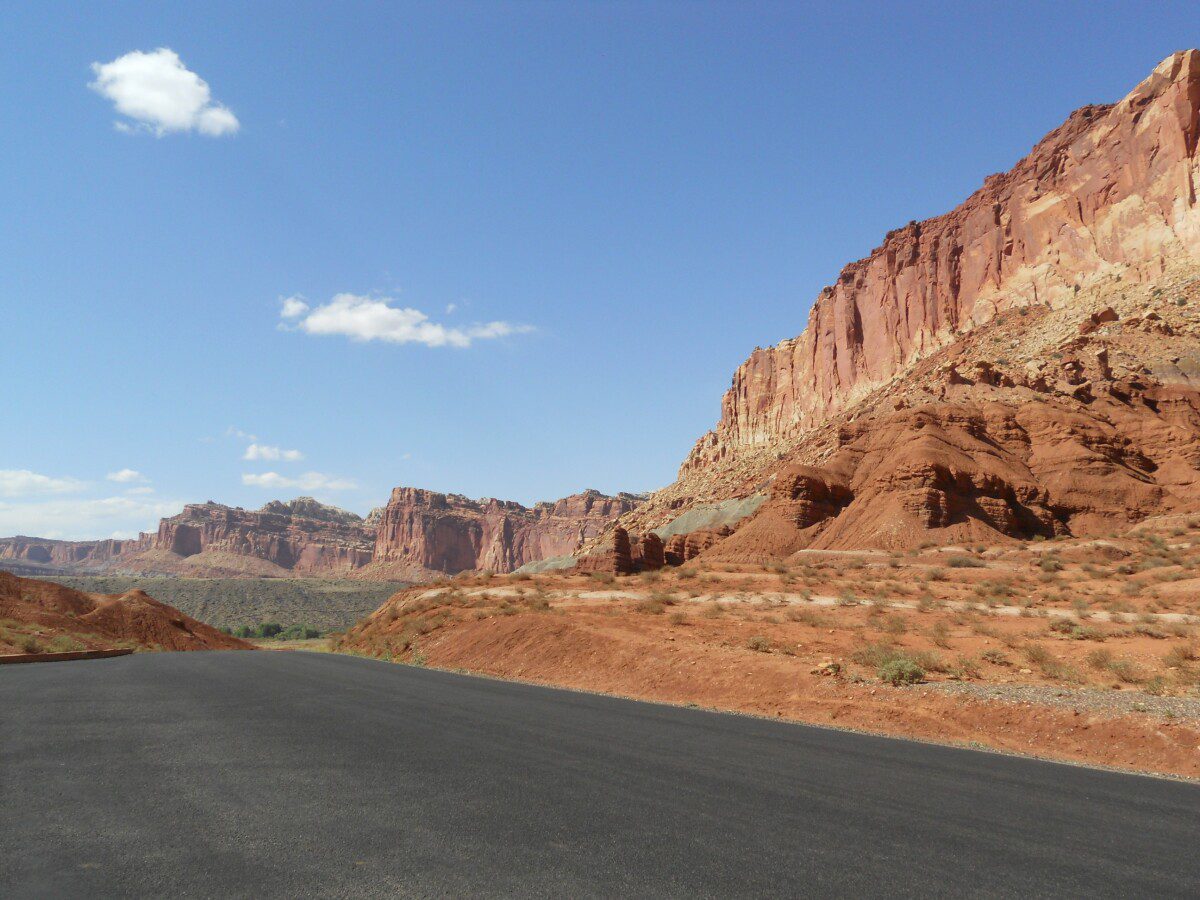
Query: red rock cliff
{"points": [[1110, 192], [422, 531], [79, 555], [301, 536]]}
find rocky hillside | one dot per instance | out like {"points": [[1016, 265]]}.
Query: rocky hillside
{"points": [[39, 617], [1025, 365], [419, 534]]}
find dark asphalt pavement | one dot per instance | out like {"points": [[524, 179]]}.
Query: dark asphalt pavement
{"points": [[296, 774]]}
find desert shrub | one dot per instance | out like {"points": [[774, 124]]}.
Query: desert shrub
{"points": [[810, 617], [895, 624], [965, 667], [604, 577], [996, 657], [651, 607], [29, 644], [1180, 655], [1048, 664], [965, 562], [1156, 686], [1100, 659], [1037, 654], [677, 618], [1150, 631], [875, 655], [900, 671], [1076, 632], [928, 660], [1125, 670], [1050, 564], [759, 644], [940, 634]]}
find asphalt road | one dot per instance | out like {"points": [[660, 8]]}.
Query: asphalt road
{"points": [[294, 774]]}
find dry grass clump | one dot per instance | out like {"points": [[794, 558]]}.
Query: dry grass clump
{"points": [[810, 617]]}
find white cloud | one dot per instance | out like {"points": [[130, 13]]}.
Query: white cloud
{"points": [[375, 319], [272, 454], [126, 476], [145, 489], [450, 308], [293, 307], [158, 92], [22, 482], [84, 519], [309, 481]]}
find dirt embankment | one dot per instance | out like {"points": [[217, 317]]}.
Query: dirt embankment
{"points": [[41, 617], [1076, 650]]}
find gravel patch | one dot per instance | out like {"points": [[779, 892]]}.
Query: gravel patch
{"points": [[1080, 700]]}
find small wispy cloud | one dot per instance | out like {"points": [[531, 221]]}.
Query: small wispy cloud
{"points": [[270, 453], [309, 481], [161, 95], [23, 483], [376, 319], [126, 476]]}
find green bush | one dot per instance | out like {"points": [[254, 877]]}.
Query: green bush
{"points": [[901, 670]]}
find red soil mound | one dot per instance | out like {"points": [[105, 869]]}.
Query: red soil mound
{"points": [[37, 616]]}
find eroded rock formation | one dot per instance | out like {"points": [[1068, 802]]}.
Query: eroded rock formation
{"points": [[45, 553], [1112, 191], [1026, 365], [303, 536], [422, 532], [419, 534]]}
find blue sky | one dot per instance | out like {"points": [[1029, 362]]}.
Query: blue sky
{"points": [[639, 194]]}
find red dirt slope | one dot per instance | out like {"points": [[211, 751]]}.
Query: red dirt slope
{"points": [[40, 616]]}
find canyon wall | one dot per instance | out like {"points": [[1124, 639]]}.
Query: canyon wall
{"points": [[1111, 192], [303, 536], [423, 532], [419, 534], [48, 553]]}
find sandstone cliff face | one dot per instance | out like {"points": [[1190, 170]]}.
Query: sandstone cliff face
{"points": [[44, 553], [1024, 366], [422, 532], [303, 536], [1110, 192], [419, 534]]}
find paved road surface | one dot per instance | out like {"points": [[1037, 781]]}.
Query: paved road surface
{"points": [[293, 774]]}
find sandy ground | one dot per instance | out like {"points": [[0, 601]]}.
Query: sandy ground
{"points": [[1078, 650]]}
